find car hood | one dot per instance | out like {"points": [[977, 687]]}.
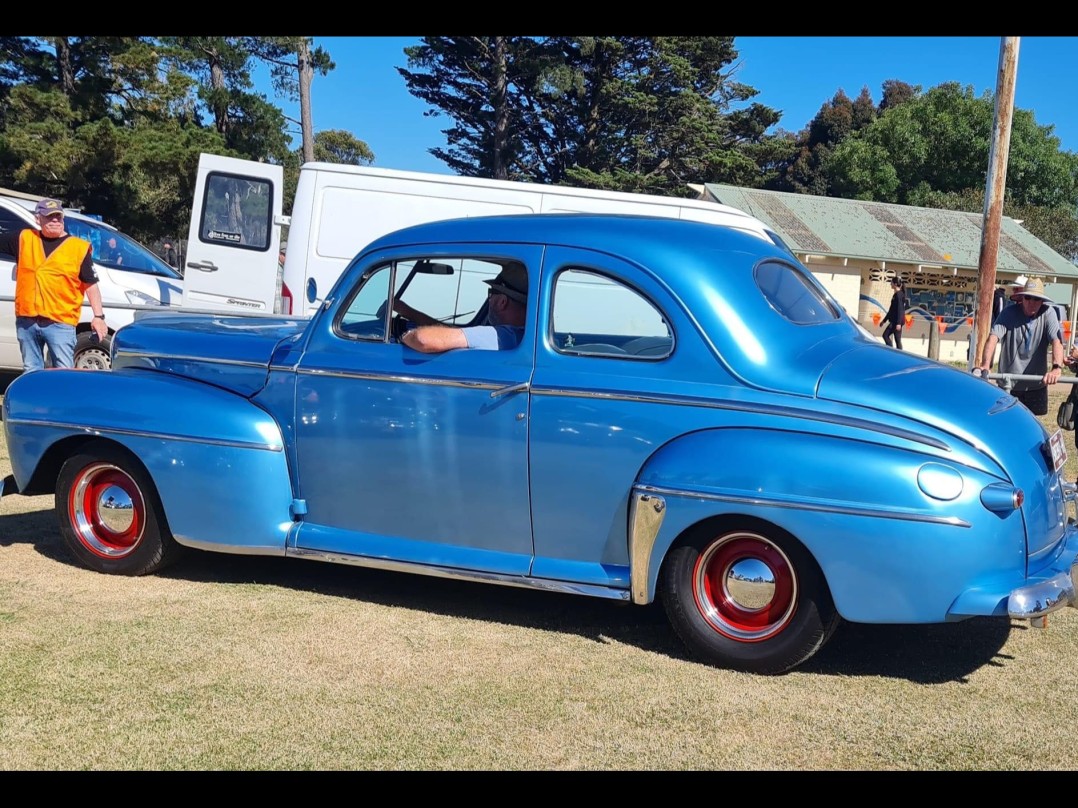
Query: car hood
{"points": [[234, 352]]}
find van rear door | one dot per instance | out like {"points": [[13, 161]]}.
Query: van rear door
{"points": [[235, 236]]}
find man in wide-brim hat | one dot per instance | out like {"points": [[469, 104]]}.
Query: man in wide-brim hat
{"points": [[1025, 333]]}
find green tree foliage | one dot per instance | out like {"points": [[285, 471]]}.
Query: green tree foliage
{"points": [[293, 62], [478, 82], [932, 150], [628, 113], [115, 125], [834, 123]]}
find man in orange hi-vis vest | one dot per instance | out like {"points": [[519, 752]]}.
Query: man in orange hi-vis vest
{"points": [[54, 271]]}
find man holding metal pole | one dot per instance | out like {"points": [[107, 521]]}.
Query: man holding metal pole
{"points": [[1025, 334]]}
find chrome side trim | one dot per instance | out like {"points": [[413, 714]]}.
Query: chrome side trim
{"points": [[139, 433], [174, 357], [520, 581], [231, 549], [769, 409], [771, 502], [390, 377], [681, 401], [645, 518]]}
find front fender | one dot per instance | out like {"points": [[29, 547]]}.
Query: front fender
{"points": [[217, 460], [875, 517]]}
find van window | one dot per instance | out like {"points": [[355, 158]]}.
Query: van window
{"points": [[237, 211]]}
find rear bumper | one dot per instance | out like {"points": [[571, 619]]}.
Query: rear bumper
{"points": [[1053, 589]]}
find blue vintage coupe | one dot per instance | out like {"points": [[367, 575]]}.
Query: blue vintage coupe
{"points": [[690, 418]]}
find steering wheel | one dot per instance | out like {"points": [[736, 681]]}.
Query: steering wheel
{"points": [[381, 313], [398, 324]]}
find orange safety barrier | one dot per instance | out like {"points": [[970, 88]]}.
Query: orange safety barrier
{"points": [[969, 322], [909, 321], [876, 318], [1067, 329], [942, 327]]}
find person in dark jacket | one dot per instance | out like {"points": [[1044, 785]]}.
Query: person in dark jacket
{"points": [[896, 314], [168, 252]]}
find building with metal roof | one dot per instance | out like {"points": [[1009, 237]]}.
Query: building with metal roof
{"points": [[855, 248]]}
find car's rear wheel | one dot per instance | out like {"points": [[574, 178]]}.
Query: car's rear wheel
{"points": [[748, 598], [92, 354], [110, 514]]}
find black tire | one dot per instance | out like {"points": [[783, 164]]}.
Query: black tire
{"points": [[749, 598], [91, 354], [110, 514]]}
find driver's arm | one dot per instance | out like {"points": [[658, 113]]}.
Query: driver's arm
{"points": [[415, 315], [434, 338]]}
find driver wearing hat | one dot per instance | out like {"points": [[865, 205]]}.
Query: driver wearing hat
{"points": [[502, 328]]}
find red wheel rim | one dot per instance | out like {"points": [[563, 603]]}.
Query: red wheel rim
{"points": [[745, 587], [106, 510]]}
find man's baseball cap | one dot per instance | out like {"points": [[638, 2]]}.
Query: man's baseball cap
{"points": [[47, 207]]}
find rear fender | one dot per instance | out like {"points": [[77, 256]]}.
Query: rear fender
{"points": [[854, 505], [217, 460]]}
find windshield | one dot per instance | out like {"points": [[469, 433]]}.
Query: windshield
{"points": [[113, 249]]}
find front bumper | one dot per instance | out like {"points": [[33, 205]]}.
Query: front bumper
{"points": [[1053, 589]]}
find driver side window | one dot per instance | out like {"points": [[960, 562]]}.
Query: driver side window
{"points": [[365, 315], [448, 289]]}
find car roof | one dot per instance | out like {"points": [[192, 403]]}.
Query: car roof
{"points": [[71, 213], [606, 232]]}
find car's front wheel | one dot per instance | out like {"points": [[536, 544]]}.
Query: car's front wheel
{"points": [[748, 598], [110, 515], [93, 354]]}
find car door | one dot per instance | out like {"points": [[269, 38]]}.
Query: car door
{"points": [[234, 238], [613, 382], [413, 457]]}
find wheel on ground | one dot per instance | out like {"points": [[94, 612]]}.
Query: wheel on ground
{"points": [[748, 598], [110, 514], [91, 354]]}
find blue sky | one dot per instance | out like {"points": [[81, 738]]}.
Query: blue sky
{"points": [[367, 97]]}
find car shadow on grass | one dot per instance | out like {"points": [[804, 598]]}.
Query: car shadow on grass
{"points": [[922, 654]]}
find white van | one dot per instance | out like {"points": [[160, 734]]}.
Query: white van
{"points": [[235, 229], [131, 279]]}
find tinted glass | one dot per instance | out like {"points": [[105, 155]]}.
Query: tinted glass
{"points": [[793, 295], [114, 249]]}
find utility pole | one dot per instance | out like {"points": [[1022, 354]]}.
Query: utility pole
{"points": [[994, 192]]}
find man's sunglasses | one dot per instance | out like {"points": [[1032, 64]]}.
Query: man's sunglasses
{"points": [[1024, 298]]}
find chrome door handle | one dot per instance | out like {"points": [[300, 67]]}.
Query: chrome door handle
{"points": [[513, 388]]}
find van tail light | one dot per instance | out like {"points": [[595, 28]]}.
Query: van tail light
{"points": [[286, 299]]}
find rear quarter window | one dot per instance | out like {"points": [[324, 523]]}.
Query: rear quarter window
{"points": [[793, 295]]}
